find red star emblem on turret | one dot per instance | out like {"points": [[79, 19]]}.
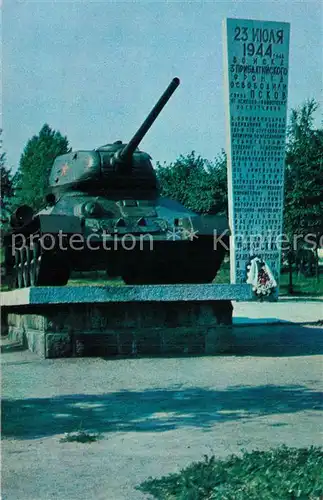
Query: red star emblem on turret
{"points": [[64, 169]]}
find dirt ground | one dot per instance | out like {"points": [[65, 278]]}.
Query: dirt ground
{"points": [[154, 416]]}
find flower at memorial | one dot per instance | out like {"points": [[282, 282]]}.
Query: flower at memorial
{"points": [[261, 278]]}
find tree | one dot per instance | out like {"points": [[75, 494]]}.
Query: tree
{"points": [[6, 176], [304, 169], [199, 184], [7, 189], [304, 174], [35, 165]]}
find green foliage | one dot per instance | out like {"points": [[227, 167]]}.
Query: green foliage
{"points": [[308, 286], [200, 185], [6, 176], [304, 172], [5, 180], [283, 473], [35, 165], [7, 190]]}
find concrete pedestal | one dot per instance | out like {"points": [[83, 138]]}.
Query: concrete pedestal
{"points": [[128, 321], [115, 329]]}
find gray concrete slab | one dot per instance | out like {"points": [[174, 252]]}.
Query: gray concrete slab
{"points": [[136, 293]]}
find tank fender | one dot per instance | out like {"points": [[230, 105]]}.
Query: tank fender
{"points": [[206, 225]]}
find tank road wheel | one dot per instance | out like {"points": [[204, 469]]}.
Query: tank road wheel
{"points": [[18, 280], [14, 273], [35, 264], [25, 260], [15, 270]]}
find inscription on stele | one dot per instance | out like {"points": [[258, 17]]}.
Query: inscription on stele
{"points": [[256, 88]]}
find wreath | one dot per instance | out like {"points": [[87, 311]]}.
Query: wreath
{"points": [[261, 278]]}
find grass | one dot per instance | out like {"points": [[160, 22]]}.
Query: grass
{"points": [[223, 274], [302, 286], [277, 474], [98, 278], [80, 437]]}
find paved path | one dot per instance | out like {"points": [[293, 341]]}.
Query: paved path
{"points": [[294, 311], [155, 416]]}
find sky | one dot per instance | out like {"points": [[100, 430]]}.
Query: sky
{"points": [[93, 70]]}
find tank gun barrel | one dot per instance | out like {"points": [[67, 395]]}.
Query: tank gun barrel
{"points": [[127, 152]]}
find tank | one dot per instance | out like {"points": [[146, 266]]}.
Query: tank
{"points": [[103, 211]]}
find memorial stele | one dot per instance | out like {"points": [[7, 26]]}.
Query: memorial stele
{"points": [[256, 85]]}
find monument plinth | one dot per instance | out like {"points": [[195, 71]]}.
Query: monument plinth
{"points": [[256, 87], [122, 320]]}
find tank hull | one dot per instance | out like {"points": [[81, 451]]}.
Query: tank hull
{"points": [[154, 261], [137, 260]]}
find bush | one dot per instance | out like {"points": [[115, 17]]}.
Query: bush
{"points": [[80, 437], [277, 474]]}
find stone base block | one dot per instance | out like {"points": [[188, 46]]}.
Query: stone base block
{"points": [[123, 329]]}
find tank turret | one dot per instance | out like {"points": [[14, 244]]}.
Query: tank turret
{"points": [[111, 166]]}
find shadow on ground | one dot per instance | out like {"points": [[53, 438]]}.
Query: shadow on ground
{"points": [[278, 339], [155, 410], [13, 347]]}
